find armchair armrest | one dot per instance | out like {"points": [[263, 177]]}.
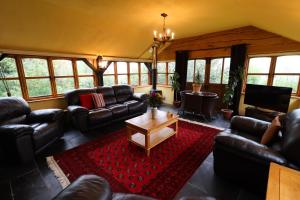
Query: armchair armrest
{"points": [[140, 96], [89, 187], [249, 125], [46, 115], [16, 130]]}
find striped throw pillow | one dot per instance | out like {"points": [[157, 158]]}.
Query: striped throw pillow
{"points": [[98, 100]]}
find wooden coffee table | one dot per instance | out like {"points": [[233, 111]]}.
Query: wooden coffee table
{"points": [[147, 132]]}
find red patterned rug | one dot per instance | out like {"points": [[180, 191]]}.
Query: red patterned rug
{"points": [[127, 168]]}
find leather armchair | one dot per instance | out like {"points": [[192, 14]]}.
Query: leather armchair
{"points": [[92, 187], [238, 155], [120, 104], [23, 132]]}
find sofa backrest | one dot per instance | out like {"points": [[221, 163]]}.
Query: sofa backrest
{"points": [[291, 137], [72, 97], [108, 95], [122, 92], [13, 110]]}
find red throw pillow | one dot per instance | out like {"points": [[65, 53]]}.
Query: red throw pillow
{"points": [[98, 100], [86, 100]]}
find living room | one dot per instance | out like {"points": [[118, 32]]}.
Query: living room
{"points": [[149, 100]]}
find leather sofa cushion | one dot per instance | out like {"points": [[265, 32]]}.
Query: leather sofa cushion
{"points": [[99, 115], [122, 196], [44, 133], [134, 106], [108, 95], [118, 110], [13, 107], [123, 92], [16, 120]]}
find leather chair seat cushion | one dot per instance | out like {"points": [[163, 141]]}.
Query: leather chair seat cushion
{"points": [[44, 133], [134, 106], [243, 134], [118, 110], [99, 115], [122, 196]]}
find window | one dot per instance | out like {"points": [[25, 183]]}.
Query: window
{"points": [[287, 72], [219, 70], [11, 73], [162, 73], [171, 71], [258, 70], [122, 73], [109, 75], [85, 75], [144, 74], [64, 77], [37, 77], [134, 73], [195, 66]]}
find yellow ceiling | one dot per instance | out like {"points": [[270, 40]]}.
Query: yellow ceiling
{"points": [[124, 27]]}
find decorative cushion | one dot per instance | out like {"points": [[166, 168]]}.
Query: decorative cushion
{"points": [[86, 101], [98, 100], [271, 131]]}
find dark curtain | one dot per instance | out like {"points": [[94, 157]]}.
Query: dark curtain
{"points": [[238, 57], [181, 68]]}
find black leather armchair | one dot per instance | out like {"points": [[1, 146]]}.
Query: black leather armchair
{"points": [[120, 104], [23, 132], [92, 187], [238, 155]]}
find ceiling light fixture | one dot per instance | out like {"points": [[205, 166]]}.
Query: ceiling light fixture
{"points": [[166, 34]]}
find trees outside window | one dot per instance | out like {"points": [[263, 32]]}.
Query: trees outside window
{"points": [[193, 67], [258, 70], [85, 75], [219, 70]]}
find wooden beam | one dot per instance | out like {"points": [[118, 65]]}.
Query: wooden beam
{"points": [[87, 62]]}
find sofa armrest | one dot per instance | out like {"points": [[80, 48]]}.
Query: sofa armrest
{"points": [[90, 187], [79, 117], [249, 125], [46, 115], [16, 130], [77, 110], [140, 96]]}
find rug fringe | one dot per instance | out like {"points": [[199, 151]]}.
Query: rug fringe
{"points": [[202, 124], [58, 173]]}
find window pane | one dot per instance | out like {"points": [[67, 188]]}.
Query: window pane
{"points": [[134, 79], [134, 67], [9, 67], [286, 81], [110, 69], [169, 78], [161, 67], [86, 82], [288, 64], [161, 78], [38, 87], [62, 67], [83, 69], [64, 84], [109, 80], [14, 87], [144, 69], [257, 79], [122, 80], [215, 70], [171, 67], [190, 71], [259, 65], [122, 67], [200, 66], [144, 79], [35, 67], [226, 70]]}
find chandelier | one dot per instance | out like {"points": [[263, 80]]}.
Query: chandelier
{"points": [[166, 34]]}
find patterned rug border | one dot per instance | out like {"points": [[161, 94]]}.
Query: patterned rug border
{"points": [[62, 178]]}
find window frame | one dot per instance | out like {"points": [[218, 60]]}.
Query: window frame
{"points": [[222, 70], [166, 74]]}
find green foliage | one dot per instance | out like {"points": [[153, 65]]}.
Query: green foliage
{"points": [[155, 99], [175, 84], [237, 75], [198, 78]]}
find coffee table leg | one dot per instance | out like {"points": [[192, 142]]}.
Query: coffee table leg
{"points": [[129, 133], [176, 128], [147, 144]]}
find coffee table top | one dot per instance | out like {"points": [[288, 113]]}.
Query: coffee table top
{"points": [[146, 122]]}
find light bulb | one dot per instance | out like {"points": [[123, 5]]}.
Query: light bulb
{"points": [[173, 34], [168, 31], [155, 34]]}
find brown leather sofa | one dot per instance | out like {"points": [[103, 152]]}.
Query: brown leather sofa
{"points": [[120, 104], [238, 155], [92, 187], [23, 132]]}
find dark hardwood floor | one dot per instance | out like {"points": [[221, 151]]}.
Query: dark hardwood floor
{"points": [[37, 182]]}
